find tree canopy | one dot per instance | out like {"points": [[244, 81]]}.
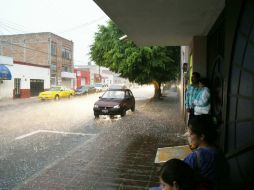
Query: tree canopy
{"points": [[142, 65]]}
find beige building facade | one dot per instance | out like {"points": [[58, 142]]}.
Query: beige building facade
{"points": [[43, 49]]}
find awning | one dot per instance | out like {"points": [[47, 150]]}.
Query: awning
{"points": [[163, 22], [5, 73]]}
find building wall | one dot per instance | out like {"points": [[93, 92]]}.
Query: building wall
{"points": [[229, 65], [239, 92], [120, 80], [185, 54], [107, 79], [92, 82], [199, 55], [82, 75], [36, 48], [97, 78], [59, 62], [94, 70], [6, 89], [229, 55], [25, 73], [67, 83], [101, 75], [29, 48]]}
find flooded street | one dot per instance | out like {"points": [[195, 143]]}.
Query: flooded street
{"points": [[59, 145]]}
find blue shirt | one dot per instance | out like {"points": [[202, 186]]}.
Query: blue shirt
{"points": [[191, 95], [206, 161]]}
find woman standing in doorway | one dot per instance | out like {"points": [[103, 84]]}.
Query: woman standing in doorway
{"points": [[201, 103]]}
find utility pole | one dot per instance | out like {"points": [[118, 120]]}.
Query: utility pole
{"points": [[49, 62], [100, 73], [24, 50], [1, 46]]}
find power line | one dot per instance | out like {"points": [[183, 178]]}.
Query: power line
{"points": [[12, 28], [12, 23], [6, 29], [83, 25]]}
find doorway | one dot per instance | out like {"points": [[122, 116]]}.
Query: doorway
{"points": [[17, 82], [36, 86]]}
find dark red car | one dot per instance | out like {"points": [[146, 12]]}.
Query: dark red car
{"points": [[114, 102]]}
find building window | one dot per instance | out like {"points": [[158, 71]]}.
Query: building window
{"points": [[53, 68], [53, 48], [66, 54], [66, 68]]}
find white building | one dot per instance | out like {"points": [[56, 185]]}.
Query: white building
{"points": [[25, 80], [109, 77]]}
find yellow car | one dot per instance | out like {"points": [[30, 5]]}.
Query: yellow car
{"points": [[56, 93]]}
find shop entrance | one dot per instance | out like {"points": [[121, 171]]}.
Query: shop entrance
{"points": [[17, 83], [36, 86], [83, 81]]}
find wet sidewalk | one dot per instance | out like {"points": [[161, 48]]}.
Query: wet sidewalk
{"points": [[17, 101], [120, 157]]}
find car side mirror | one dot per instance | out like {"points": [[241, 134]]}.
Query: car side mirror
{"points": [[99, 97]]}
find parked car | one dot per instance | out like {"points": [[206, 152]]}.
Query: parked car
{"points": [[99, 87], [114, 102], [85, 90], [56, 93]]}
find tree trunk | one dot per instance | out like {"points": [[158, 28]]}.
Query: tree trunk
{"points": [[157, 89]]}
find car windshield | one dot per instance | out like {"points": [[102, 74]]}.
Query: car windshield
{"points": [[55, 89], [113, 94]]}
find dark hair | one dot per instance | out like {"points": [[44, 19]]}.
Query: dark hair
{"points": [[203, 81], [203, 125], [196, 74], [180, 172]]}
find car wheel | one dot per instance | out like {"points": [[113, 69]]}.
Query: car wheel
{"points": [[57, 97], [133, 108], [123, 113], [96, 116]]}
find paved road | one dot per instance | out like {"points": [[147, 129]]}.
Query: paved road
{"points": [[35, 134]]}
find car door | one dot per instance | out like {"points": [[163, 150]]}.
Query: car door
{"points": [[68, 92], [128, 99], [63, 92], [132, 99]]}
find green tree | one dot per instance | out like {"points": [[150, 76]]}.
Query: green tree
{"points": [[142, 65]]}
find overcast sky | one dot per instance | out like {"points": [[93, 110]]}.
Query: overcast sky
{"points": [[76, 20]]}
